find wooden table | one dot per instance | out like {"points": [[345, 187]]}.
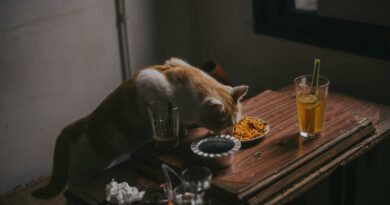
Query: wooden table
{"points": [[278, 168]]}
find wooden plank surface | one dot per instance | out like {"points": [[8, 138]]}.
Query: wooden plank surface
{"points": [[93, 193], [288, 194], [281, 149], [285, 164]]}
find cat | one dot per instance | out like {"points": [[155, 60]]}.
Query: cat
{"points": [[121, 122]]}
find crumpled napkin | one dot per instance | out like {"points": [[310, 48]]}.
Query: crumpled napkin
{"points": [[122, 193]]}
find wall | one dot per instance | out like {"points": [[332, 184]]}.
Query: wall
{"points": [[141, 33], [222, 30], [159, 30], [57, 62], [225, 33]]}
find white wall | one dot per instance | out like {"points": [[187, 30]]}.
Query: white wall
{"points": [[58, 60]]}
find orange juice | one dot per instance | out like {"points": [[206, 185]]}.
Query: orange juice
{"points": [[311, 111]]}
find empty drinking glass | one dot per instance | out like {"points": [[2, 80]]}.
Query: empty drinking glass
{"points": [[185, 195], [197, 178], [165, 126]]}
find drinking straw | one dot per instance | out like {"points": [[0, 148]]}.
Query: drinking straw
{"points": [[170, 115], [315, 77], [150, 113], [169, 187], [165, 169], [175, 121]]}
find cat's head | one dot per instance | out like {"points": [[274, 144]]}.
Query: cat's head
{"points": [[219, 113]]}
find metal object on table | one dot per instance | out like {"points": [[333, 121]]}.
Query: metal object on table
{"points": [[217, 151]]}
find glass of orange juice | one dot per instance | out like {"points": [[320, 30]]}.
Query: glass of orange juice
{"points": [[311, 104]]}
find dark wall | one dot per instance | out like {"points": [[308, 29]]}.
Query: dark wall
{"points": [[222, 30]]}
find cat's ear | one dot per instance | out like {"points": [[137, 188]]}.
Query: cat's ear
{"points": [[239, 92], [214, 105]]}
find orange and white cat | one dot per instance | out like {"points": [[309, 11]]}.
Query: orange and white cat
{"points": [[121, 122]]}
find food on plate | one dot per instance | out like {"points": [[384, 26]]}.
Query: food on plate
{"points": [[249, 128]]}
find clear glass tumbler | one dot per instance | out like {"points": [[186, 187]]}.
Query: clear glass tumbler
{"points": [[184, 195], [311, 105], [197, 177], [165, 126]]}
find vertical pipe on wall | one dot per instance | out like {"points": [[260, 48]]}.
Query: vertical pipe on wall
{"points": [[122, 37]]}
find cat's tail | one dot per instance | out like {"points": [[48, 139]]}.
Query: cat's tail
{"points": [[60, 173]]}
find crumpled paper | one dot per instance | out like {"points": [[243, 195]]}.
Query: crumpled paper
{"points": [[122, 193]]}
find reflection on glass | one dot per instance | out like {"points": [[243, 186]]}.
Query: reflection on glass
{"points": [[373, 12], [306, 5]]}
